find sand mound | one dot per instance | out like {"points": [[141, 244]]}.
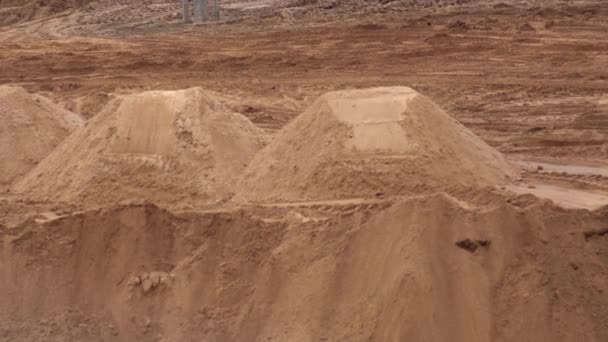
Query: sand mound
{"points": [[30, 127], [458, 26], [14, 11], [159, 145], [141, 273], [526, 27], [594, 118], [365, 142]]}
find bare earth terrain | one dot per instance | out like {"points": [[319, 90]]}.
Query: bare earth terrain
{"points": [[321, 170]]}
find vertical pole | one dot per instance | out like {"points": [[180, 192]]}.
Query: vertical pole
{"points": [[204, 4], [200, 10], [197, 10], [217, 9], [186, 11]]}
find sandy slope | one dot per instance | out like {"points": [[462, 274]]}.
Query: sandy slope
{"points": [[167, 146], [139, 272], [362, 143], [30, 128], [296, 258]]}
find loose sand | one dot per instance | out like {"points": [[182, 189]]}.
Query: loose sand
{"points": [[433, 248], [31, 127], [407, 261], [361, 143], [166, 146], [430, 268]]}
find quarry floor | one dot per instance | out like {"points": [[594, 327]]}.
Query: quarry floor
{"points": [[537, 96]]}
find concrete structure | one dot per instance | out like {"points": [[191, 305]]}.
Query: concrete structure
{"points": [[201, 9], [217, 9], [186, 11]]}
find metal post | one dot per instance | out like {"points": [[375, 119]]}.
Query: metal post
{"points": [[200, 10], [197, 10], [217, 9], [186, 11], [204, 4]]}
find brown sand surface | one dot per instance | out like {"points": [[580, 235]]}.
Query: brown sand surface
{"points": [[30, 127], [166, 146], [371, 142], [274, 176], [426, 268]]}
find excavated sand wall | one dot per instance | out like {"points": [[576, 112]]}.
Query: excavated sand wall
{"points": [[430, 268], [420, 265]]}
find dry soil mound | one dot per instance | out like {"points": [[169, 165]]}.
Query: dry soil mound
{"points": [[595, 117], [30, 127], [14, 11], [159, 145], [526, 27], [425, 269], [365, 142]]}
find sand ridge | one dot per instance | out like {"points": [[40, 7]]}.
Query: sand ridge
{"points": [[429, 267], [161, 145], [30, 127], [360, 143]]}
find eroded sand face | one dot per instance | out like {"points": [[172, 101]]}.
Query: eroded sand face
{"points": [[363, 142], [375, 118], [31, 126], [169, 146], [430, 267], [146, 123], [373, 215]]}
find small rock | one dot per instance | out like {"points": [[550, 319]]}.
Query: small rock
{"points": [[526, 27], [147, 285], [155, 278], [135, 281]]}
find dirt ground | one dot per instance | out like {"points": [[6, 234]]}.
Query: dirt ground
{"points": [[530, 78], [534, 93]]}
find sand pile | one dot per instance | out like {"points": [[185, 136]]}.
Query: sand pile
{"points": [[526, 27], [425, 269], [30, 127], [166, 146], [458, 26], [361, 143], [14, 11]]}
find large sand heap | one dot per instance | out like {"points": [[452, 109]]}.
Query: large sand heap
{"points": [[30, 127], [159, 145], [430, 268], [367, 142]]}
